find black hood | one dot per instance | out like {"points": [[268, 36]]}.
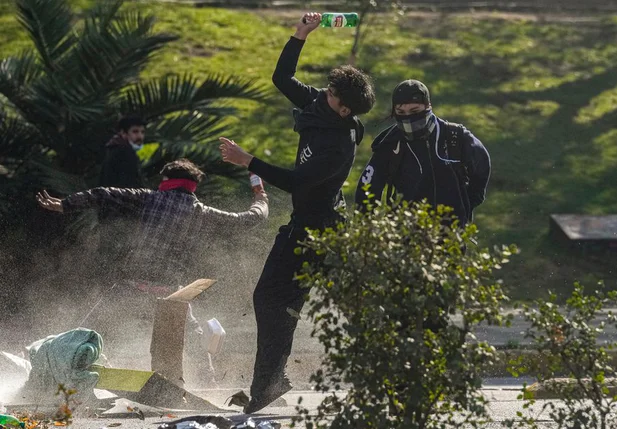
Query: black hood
{"points": [[319, 114], [386, 138]]}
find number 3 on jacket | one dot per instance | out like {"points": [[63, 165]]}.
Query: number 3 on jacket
{"points": [[368, 175]]}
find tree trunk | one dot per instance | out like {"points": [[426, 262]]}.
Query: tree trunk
{"points": [[356, 40]]}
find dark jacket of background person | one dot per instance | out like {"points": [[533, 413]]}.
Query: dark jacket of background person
{"points": [[426, 169], [121, 167], [171, 225]]}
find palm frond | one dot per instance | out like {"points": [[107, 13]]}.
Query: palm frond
{"points": [[20, 69], [38, 96], [49, 24], [106, 59], [158, 97], [220, 86], [17, 138], [105, 11], [180, 132], [193, 136], [175, 93], [16, 74]]}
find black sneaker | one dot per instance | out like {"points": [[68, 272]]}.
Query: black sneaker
{"points": [[268, 396]]}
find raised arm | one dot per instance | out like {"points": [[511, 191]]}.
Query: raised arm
{"points": [[283, 78]]}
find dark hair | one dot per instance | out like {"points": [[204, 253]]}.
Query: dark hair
{"points": [[182, 169], [126, 122], [354, 88]]}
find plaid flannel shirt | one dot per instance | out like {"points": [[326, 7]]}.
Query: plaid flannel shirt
{"points": [[171, 223]]}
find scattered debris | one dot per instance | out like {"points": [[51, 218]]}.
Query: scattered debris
{"points": [[215, 336], [136, 410], [10, 421], [64, 359], [200, 422], [150, 388], [14, 366], [219, 422], [240, 399], [265, 424], [293, 313]]}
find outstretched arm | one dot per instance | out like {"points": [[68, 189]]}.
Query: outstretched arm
{"points": [[258, 212], [312, 172], [48, 202], [121, 199], [283, 78]]}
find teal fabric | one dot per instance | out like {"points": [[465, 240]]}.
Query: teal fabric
{"points": [[65, 359]]}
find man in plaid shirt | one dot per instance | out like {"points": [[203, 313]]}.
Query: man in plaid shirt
{"points": [[172, 222]]}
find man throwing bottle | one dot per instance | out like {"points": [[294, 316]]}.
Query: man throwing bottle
{"points": [[329, 131]]}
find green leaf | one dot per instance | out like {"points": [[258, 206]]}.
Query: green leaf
{"points": [[172, 93], [49, 24]]}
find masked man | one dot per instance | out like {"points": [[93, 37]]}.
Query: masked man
{"points": [[422, 156]]}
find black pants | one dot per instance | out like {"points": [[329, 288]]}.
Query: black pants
{"points": [[277, 295]]}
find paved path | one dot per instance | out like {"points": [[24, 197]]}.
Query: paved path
{"points": [[503, 405], [234, 368]]}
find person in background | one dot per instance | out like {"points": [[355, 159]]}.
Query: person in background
{"points": [[121, 169]]}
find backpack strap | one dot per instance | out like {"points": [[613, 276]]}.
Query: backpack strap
{"points": [[454, 141]]}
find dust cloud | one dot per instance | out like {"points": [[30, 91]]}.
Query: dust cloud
{"points": [[58, 290]]}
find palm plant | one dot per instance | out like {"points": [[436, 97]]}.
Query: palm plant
{"points": [[60, 99]]}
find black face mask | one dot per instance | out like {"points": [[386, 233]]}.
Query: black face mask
{"points": [[417, 125]]}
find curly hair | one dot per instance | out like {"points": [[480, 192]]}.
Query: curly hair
{"points": [[182, 169], [353, 87]]}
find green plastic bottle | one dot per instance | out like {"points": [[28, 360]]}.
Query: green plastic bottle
{"points": [[338, 19], [10, 422]]}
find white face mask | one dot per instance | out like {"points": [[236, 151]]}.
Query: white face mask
{"points": [[136, 147]]}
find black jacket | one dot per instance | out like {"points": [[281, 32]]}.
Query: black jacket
{"points": [[326, 149], [426, 170], [121, 167]]}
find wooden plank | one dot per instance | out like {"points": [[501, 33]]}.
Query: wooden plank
{"points": [[117, 379], [167, 345], [149, 388], [190, 292]]}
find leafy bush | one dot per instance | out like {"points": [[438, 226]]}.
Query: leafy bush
{"points": [[385, 302], [572, 366]]}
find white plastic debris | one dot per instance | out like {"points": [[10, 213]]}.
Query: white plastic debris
{"points": [[215, 336]]}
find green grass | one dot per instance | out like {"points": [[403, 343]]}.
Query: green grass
{"points": [[541, 96]]}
